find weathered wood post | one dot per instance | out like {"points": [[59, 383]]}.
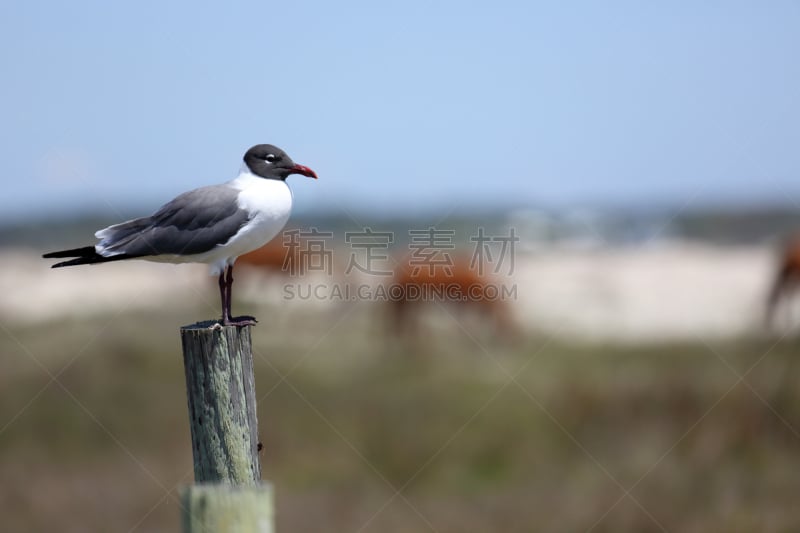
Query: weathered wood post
{"points": [[220, 388]]}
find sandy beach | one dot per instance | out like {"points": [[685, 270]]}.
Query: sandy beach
{"points": [[666, 291]]}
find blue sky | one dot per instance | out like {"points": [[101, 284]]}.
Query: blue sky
{"points": [[401, 106]]}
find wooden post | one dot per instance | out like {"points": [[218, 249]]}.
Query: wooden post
{"points": [[220, 389], [215, 509]]}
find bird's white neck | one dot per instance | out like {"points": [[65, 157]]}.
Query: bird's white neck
{"points": [[247, 179]]}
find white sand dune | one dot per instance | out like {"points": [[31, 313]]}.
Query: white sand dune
{"points": [[672, 290], [667, 291]]}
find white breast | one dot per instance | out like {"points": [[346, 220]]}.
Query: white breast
{"points": [[269, 203], [271, 199]]}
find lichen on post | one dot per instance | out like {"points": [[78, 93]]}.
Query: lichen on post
{"points": [[220, 389]]}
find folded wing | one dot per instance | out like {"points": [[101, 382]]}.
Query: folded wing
{"points": [[193, 223]]}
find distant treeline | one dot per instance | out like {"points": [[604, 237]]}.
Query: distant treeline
{"points": [[534, 226]]}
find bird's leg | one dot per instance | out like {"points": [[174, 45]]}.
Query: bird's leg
{"points": [[223, 289], [239, 320], [228, 287]]}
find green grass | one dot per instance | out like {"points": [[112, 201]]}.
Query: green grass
{"points": [[439, 419]]}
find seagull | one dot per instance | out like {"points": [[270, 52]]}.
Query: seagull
{"points": [[212, 225]]}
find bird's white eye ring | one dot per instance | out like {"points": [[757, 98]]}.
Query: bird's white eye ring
{"points": [[270, 158]]}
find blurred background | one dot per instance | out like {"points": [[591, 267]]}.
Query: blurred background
{"points": [[625, 174]]}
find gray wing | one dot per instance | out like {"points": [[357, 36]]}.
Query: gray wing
{"points": [[193, 223]]}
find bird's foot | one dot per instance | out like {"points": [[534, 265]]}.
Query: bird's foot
{"points": [[239, 321]]}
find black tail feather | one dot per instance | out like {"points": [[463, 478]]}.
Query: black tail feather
{"points": [[84, 256], [85, 251]]}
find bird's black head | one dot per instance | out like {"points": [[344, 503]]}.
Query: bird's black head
{"points": [[270, 162]]}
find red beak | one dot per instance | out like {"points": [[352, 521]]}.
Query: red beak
{"points": [[305, 171]]}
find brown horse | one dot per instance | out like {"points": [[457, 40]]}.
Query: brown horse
{"points": [[458, 286], [786, 281]]}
